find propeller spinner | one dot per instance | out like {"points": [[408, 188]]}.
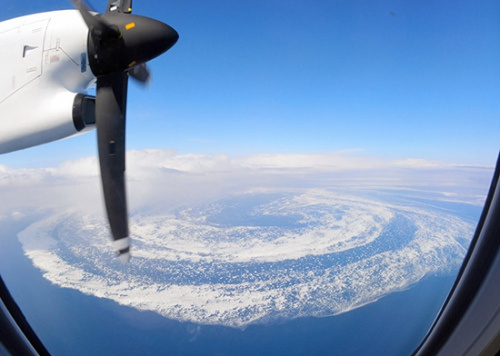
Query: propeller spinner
{"points": [[119, 45]]}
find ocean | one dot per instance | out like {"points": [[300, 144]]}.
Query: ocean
{"points": [[69, 322]]}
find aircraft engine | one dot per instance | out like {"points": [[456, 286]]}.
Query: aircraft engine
{"points": [[84, 112], [45, 120]]}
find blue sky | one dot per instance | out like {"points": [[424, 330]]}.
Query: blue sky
{"points": [[387, 79]]}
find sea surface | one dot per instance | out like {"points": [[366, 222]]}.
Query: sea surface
{"points": [[69, 322]]}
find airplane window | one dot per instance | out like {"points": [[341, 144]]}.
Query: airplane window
{"points": [[301, 178]]}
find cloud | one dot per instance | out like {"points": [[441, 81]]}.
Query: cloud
{"points": [[170, 159], [167, 177], [324, 254], [419, 163], [14, 177], [87, 167], [206, 224], [324, 162]]}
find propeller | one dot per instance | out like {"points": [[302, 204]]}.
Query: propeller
{"points": [[119, 45]]}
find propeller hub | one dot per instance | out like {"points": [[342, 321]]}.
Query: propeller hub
{"points": [[130, 41]]}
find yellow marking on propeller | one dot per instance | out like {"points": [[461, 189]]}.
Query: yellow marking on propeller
{"points": [[133, 63], [130, 25]]}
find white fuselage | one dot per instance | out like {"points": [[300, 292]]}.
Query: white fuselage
{"points": [[44, 64]]}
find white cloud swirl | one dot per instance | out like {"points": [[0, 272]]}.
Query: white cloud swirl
{"points": [[253, 257]]}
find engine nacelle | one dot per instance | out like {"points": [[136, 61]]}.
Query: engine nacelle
{"points": [[44, 120], [84, 112], [44, 65]]}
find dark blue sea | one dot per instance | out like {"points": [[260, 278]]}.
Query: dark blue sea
{"points": [[69, 322]]}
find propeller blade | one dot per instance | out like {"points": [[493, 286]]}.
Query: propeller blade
{"points": [[119, 45], [96, 25], [89, 19], [110, 106], [123, 6], [141, 73]]}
